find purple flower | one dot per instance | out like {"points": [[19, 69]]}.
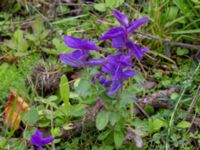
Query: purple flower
{"points": [[78, 57], [119, 35], [94, 62], [115, 71], [77, 43], [74, 59], [135, 50], [38, 140], [122, 18]]}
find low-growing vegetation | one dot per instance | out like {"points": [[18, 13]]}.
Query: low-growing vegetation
{"points": [[100, 75]]}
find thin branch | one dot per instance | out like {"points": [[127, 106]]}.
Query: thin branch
{"points": [[168, 42]]}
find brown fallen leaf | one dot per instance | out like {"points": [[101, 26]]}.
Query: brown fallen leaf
{"points": [[14, 110]]}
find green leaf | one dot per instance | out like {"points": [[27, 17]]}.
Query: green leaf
{"points": [[126, 97], [22, 45], [55, 131], [18, 42], [64, 91], [172, 13], [183, 124], [118, 138], [83, 87], [156, 124], [100, 7], [184, 7], [18, 35], [31, 117], [77, 110], [149, 109], [102, 120], [16, 8], [113, 3], [30, 37], [11, 44], [114, 117], [182, 51], [139, 78], [174, 96], [17, 144], [44, 123], [44, 34], [60, 46], [28, 132], [104, 135], [52, 98], [38, 26]]}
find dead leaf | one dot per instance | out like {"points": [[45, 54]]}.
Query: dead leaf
{"points": [[14, 110]]}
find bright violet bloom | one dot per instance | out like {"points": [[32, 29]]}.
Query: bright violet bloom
{"points": [[74, 59], [77, 43], [78, 57], [135, 50], [115, 69], [38, 140], [118, 68], [94, 62], [119, 35]]}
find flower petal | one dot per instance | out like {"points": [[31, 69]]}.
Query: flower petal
{"points": [[128, 74], [135, 24], [98, 75], [107, 83], [47, 140], [126, 61], [109, 69], [113, 33], [72, 42], [79, 54], [94, 62], [40, 148], [102, 80], [118, 42], [135, 50], [114, 87], [77, 43], [144, 50], [74, 59], [36, 138], [118, 72], [122, 18]]}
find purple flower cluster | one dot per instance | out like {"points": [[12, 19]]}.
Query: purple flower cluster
{"points": [[115, 69], [120, 35], [38, 140], [78, 57]]}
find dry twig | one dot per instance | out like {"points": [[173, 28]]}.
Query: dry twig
{"points": [[168, 42]]}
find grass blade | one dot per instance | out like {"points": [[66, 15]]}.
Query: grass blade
{"points": [[64, 91]]}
